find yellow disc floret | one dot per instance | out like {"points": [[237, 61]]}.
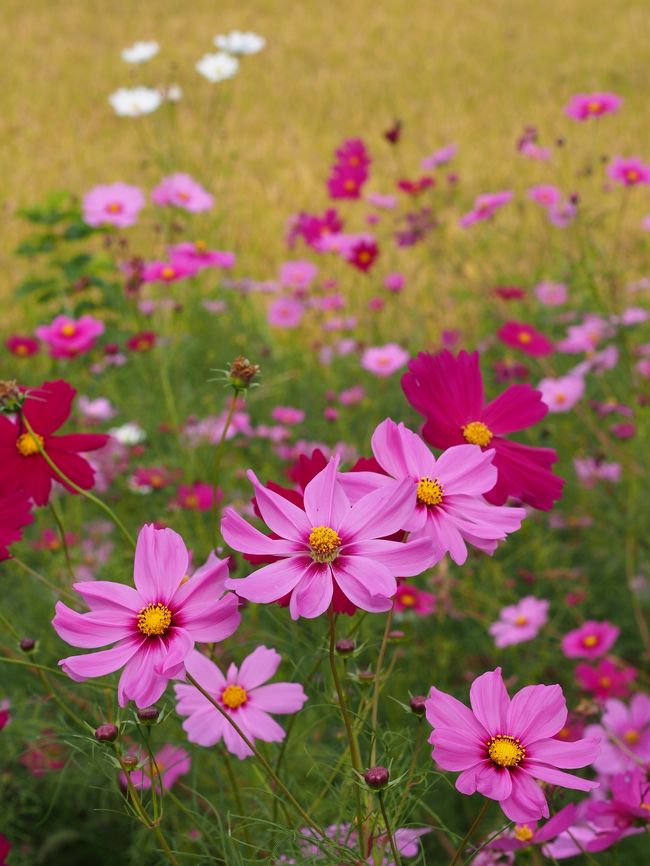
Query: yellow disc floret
{"points": [[590, 640], [477, 433], [233, 697], [505, 751], [28, 444], [523, 832], [429, 491], [68, 330], [154, 620], [324, 543]]}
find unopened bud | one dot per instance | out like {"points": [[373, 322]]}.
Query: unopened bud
{"points": [[242, 373], [344, 646], [418, 704], [396, 636], [27, 644], [376, 778], [11, 397], [148, 715], [106, 733]]}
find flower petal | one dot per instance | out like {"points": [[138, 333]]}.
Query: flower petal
{"points": [[90, 630], [527, 801], [558, 777], [280, 515], [490, 701], [559, 753], [279, 697], [258, 667], [99, 664], [536, 713], [326, 503], [240, 535], [271, 582], [161, 561], [443, 710]]}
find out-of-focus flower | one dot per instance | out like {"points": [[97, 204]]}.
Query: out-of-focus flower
{"points": [[100, 409], [584, 106], [285, 312], [169, 764], [385, 360], [140, 52], [551, 294], [485, 207], [591, 640], [439, 157], [181, 190], [561, 395], [130, 433], [630, 171], [116, 204], [625, 730], [590, 470], [22, 347], [217, 67], [196, 497], [67, 338], [240, 42], [411, 599], [605, 680], [135, 101], [526, 338], [520, 622]]}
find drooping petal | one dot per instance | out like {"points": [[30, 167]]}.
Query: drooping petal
{"points": [[313, 595], [558, 777], [161, 561], [74, 467], [234, 743], [490, 701], [466, 781], [494, 782], [271, 582], [180, 644], [139, 681], [557, 824], [279, 697], [365, 583], [536, 713]]}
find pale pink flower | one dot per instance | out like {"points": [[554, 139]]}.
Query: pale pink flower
{"points": [[385, 360], [551, 294], [116, 204], [561, 394], [545, 194], [297, 275], [590, 470], [625, 730], [285, 312], [169, 764], [287, 415], [439, 157], [520, 622], [181, 190], [99, 409]]}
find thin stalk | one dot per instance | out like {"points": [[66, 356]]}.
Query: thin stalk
{"points": [[55, 589], [86, 493], [473, 827], [389, 832], [64, 543], [218, 456], [375, 696]]}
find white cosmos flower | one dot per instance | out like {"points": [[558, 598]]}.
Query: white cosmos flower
{"points": [[134, 101], [217, 67], [129, 433], [140, 52], [237, 42], [174, 92]]}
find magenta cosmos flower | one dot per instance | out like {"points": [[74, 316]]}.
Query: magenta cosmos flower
{"points": [[584, 106], [630, 171], [198, 255], [285, 313], [15, 514], [590, 641], [605, 680], [181, 190], [501, 746], [169, 764], [68, 337], [448, 391], [22, 347], [328, 541], [116, 204], [519, 335], [243, 695], [626, 735], [520, 622], [154, 626], [447, 502]]}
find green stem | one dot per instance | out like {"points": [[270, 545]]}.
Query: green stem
{"points": [[64, 543], [86, 493], [473, 827], [391, 838], [55, 589], [218, 455], [375, 697]]}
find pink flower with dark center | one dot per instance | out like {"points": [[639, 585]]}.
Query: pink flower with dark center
{"points": [[605, 680], [519, 335], [384, 360], [502, 745], [169, 764], [116, 204], [328, 541], [447, 502], [243, 696], [625, 731], [591, 640], [155, 625], [67, 338], [448, 392], [584, 106], [629, 171], [181, 190], [362, 253], [520, 622], [562, 394], [625, 814], [410, 598]]}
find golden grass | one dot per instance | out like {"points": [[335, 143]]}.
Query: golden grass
{"points": [[452, 70]]}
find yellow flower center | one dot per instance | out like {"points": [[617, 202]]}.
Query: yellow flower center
{"points": [[68, 330], [521, 620], [563, 733], [154, 620], [200, 246], [590, 640], [524, 337], [407, 599], [523, 832], [477, 433], [191, 501], [114, 207], [631, 737], [28, 444], [233, 697], [632, 175], [593, 107], [505, 751], [21, 349], [350, 185], [324, 543], [605, 682], [364, 256], [168, 273], [429, 492]]}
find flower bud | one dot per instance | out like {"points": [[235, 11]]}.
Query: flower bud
{"points": [[417, 704], [148, 715], [344, 647], [106, 733], [396, 636], [11, 397], [376, 778], [129, 763], [27, 644], [241, 373]]}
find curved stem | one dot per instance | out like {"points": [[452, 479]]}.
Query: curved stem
{"points": [[473, 827], [391, 838], [218, 455], [64, 543]]}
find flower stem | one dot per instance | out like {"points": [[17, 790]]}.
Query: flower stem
{"points": [[218, 456], [389, 832], [64, 543], [375, 696], [55, 589], [86, 493], [473, 827], [355, 758]]}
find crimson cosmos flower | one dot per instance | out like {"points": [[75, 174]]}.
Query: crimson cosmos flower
{"points": [[22, 466]]}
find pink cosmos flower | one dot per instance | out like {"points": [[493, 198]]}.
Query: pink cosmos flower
{"points": [[287, 415], [361, 251], [545, 194], [99, 409], [533, 151], [407, 842], [169, 764], [605, 680], [520, 622], [22, 347], [394, 282], [585, 336], [590, 641], [561, 395], [297, 275], [448, 391], [485, 207], [626, 735], [591, 470], [285, 313], [385, 360], [311, 227], [519, 335], [326, 543], [584, 106], [439, 157], [410, 598], [198, 255], [195, 497], [67, 338], [242, 695], [116, 204], [562, 214], [524, 835], [630, 171], [154, 626], [551, 294], [503, 745], [447, 502], [627, 813], [168, 272], [181, 190]]}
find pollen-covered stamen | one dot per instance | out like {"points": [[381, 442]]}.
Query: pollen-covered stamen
{"points": [[505, 751], [154, 620], [233, 697], [477, 433], [68, 330], [324, 543], [521, 620], [28, 444], [523, 832], [429, 492]]}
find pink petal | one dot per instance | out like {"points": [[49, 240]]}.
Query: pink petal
{"points": [[400, 452], [205, 672], [365, 580], [139, 681], [211, 622], [233, 741], [557, 824], [404, 559], [279, 698], [107, 595], [258, 667], [313, 595], [325, 501], [527, 801], [493, 782], [558, 777], [261, 725], [180, 644], [90, 630], [443, 710], [99, 664], [205, 585], [466, 782], [559, 753], [490, 702], [161, 562], [452, 751], [466, 469], [381, 512], [204, 727], [280, 515], [240, 535], [536, 713], [446, 535], [272, 581]]}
